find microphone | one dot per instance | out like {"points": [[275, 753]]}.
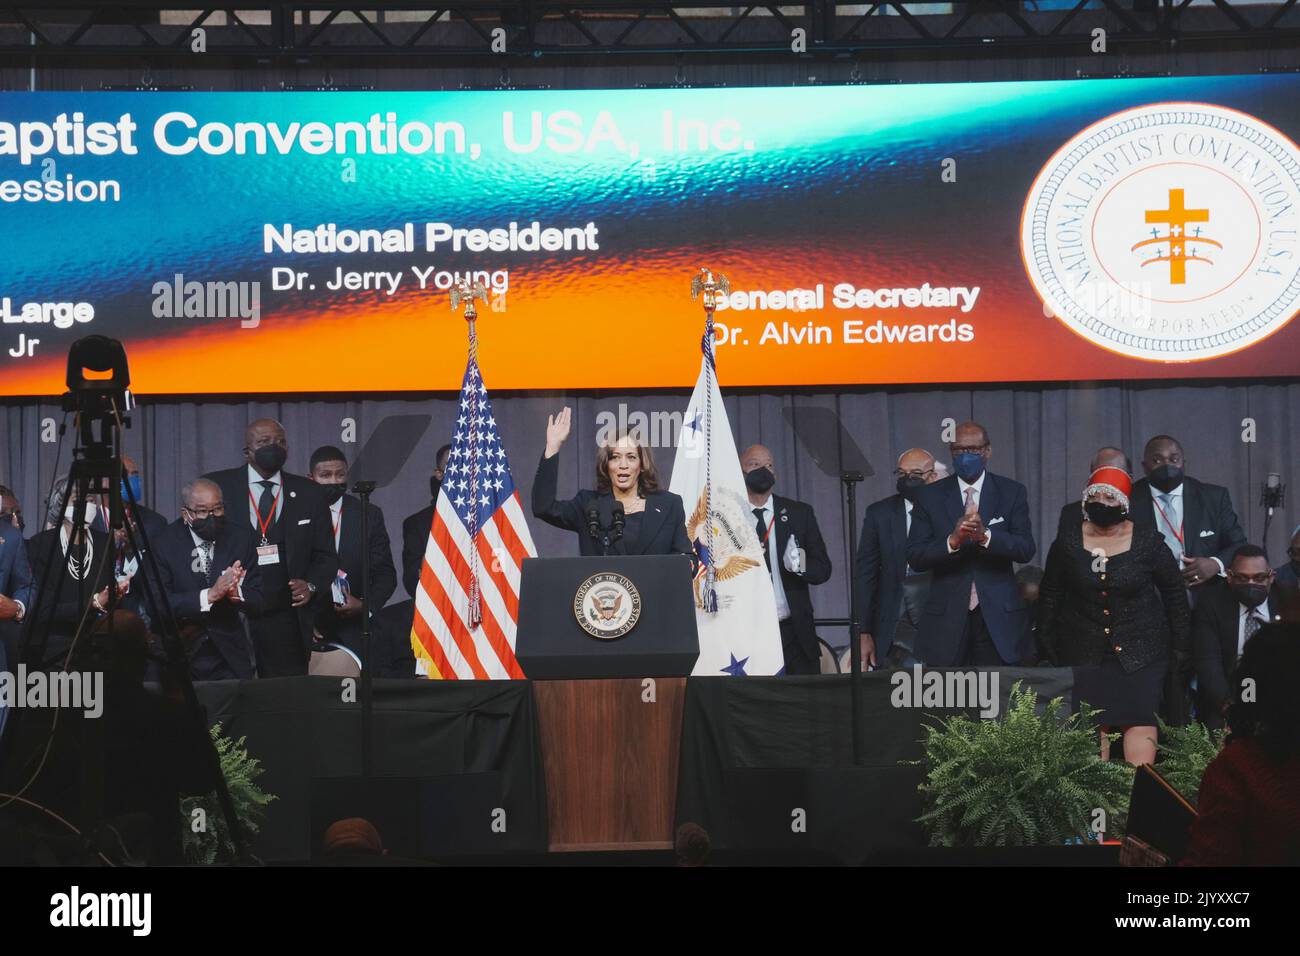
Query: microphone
{"points": [[593, 521], [363, 487], [1272, 492], [618, 520]]}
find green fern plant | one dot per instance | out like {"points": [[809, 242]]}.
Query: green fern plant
{"points": [[212, 843], [1183, 753], [1021, 779]]}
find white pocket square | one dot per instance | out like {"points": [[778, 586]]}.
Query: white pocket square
{"points": [[305, 521], [997, 520], [1207, 534]]}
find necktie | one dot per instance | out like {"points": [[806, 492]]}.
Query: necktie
{"points": [[1171, 525], [1253, 624], [761, 530], [208, 576], [974, 598], [266, 506]]}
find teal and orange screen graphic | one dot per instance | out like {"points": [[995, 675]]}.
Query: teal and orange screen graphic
{"points": [[871, 235]]}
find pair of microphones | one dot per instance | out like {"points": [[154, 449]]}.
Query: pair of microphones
{"points": [[597, 530]]}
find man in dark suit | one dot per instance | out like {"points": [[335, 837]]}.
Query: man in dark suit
{"points": [[15, 591], [339, 620], [970, 529], [889, 595], [1195, 518], [796, 557], [211, 579], [1227, 615], [1106, 457], [415, 528], [295, 550]]}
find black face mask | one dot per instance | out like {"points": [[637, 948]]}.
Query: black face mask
{"points": [[1103, 515], [760, 480], [334, 492], [270, 458], [909, 486], [1166, 477], [434, 486], [208, 528], [1250, 595]]}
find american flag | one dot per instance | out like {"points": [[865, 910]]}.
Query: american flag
{"points": [[467, 603]]}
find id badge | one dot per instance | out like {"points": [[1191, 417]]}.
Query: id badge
{"points": [[268, 554]]}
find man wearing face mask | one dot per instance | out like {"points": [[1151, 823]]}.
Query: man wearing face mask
{"points": [[340, 620], [796, 557], [291, 529], [71, 568], [415, 528], [889, 594], [1195, 518], [970, 529], [1227, 615], [211, 579]]}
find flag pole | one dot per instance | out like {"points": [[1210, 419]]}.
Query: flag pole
{"points": [[466, 292], [708, 286]]}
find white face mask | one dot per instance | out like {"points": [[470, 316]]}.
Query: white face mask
{"points": [[92, 512]]}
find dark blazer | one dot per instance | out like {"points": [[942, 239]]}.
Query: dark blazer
{"points": [[182, 584], [415, 538], [1210, 528], [15, 566], [663, 528], [797, 518], [880, 569], [1004, 507], [308, 549], [1287, 577], [1216, 623], [1137, 606], [57, 604], [383, 576]]}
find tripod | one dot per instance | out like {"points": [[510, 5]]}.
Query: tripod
{"points": [[96, 469]]}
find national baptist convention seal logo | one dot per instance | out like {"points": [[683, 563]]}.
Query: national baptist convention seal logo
{"points": [[1168, 232], [607, 605]]}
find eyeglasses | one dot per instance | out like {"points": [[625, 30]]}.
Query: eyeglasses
{"points": [[200, 515], [1262, 578], [915, 473]]}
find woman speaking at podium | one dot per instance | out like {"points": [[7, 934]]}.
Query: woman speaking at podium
{"points": [[626, 514]]}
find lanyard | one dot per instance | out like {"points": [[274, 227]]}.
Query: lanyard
{"points": [[336, 524], [1178, 532], [263, 526], [768, 532]]}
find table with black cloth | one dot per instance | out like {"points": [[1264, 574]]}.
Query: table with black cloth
{"points": [[476, 740]]}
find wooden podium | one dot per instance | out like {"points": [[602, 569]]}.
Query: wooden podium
{"points": [[610, 753]]}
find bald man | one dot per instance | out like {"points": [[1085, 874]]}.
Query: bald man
{"points": [[211, 579], [796, 558], [290, 522], [1108, 456], [889, 595]]}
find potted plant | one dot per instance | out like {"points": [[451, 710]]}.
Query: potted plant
{"points": [[206, 836], [1020, 779]]}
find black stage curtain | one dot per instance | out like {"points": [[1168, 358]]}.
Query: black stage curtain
{"points": [[474, 742], [757, 751]]}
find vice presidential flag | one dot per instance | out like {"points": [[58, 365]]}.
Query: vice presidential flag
{"points": [[467, 602], [734, 606]]}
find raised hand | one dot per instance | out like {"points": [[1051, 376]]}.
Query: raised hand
{"points": [[557, 430]]}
